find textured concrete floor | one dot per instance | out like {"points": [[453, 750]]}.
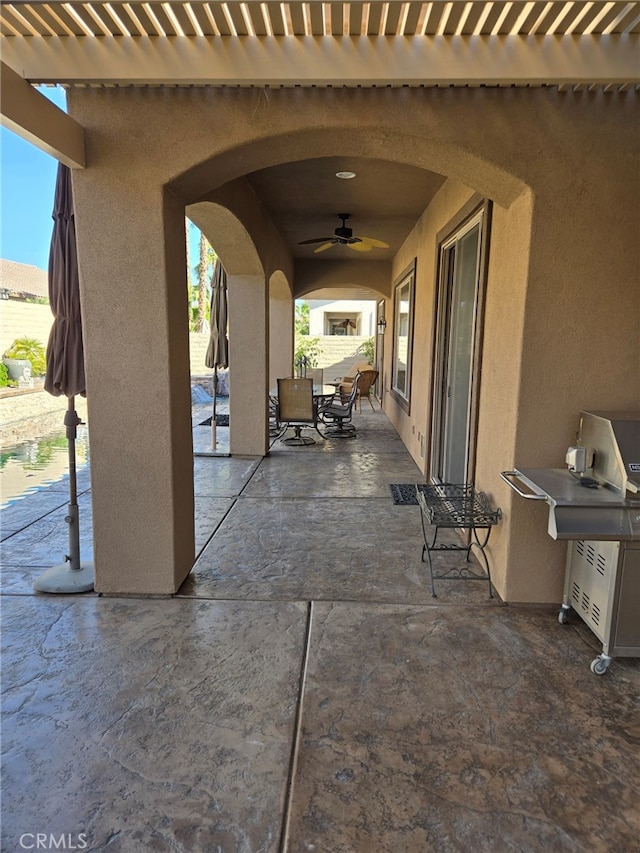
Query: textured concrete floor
{"points": [[304, 691]]}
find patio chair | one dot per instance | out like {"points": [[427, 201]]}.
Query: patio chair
{"points": [[365, 386], [347, 379], [366, 381], [338, 416], [275, 427], [296, 409]]}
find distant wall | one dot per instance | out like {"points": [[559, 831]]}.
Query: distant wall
{"points": [[198, 344], [339, 354], [365, 310], [20, 319], [25, 415]]}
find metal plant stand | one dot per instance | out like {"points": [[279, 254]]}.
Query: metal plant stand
{"points": [[456, 506]]}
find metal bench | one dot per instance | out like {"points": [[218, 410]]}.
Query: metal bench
{"points": [[456, 506]]}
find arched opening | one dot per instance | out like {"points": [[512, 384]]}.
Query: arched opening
{"points": [[248, 321]]}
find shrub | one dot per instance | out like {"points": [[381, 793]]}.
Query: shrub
{"points": [[306, 347], [30, 349], [367, 348], [4, 376]]}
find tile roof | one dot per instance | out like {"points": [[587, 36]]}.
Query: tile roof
{"points": [[23, 280]]}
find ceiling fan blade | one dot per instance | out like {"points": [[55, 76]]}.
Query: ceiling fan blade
{"points": [[315, 240], [377, 244], [360, 247], [325, 246]]}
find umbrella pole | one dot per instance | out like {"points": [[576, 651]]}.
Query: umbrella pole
{"points": [[214, 441], [73, 577], [71, 421]]}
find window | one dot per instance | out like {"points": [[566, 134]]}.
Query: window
{"points": [[343, 324], [402, 336]]}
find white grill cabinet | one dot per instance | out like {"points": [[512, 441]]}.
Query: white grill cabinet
{"points": [[597, 508], [602, 584]]}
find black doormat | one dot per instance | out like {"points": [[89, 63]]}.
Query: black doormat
{"points": [[221, 420], [404, 494]]}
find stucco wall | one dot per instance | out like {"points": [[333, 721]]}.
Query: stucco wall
{"points": [[420, 244], [561, 330]]}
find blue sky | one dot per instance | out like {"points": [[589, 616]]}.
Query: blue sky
{"points": [[28, 178], [28, 182]]}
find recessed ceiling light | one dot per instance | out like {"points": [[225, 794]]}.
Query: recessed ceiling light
{"points": [[345, 175]]}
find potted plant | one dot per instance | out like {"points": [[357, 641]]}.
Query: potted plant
{"points": [[25, 356]]}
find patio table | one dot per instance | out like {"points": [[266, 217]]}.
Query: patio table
{"points": [[320, 393]]}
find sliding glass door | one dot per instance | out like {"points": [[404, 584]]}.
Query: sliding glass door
{"points": [[457, 352]]}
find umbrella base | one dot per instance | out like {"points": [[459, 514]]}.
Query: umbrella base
{"points": [[62, 579]]}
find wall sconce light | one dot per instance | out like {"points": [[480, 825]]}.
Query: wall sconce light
{"points": [[382, 325]]}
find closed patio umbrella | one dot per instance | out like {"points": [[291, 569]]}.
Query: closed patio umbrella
{"points": [[218, 348], [65, 373]]}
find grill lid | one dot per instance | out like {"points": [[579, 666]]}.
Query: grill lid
{"points": [[615, 437]]}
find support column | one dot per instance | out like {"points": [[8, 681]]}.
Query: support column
{"points": [[281, 327], [134, 303], [248, 367]]}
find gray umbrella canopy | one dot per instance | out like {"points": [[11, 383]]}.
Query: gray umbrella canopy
{"points": [[218, 348], [65, 354], [65, 374]]}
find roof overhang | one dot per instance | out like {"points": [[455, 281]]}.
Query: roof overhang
{"points": [[329, 61], [571, 44]]}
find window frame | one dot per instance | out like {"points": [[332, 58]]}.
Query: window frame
{"points": [[407, 278], [482, 208]]}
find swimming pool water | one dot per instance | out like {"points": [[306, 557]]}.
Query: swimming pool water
{"points": [[36, 464]]}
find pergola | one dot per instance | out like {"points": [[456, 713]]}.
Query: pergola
{"points": [[571, 45]]}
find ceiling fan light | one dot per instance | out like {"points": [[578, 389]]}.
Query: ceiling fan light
{"points": [[345, 176]]}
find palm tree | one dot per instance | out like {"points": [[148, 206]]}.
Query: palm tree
{"points": [[203, 267], [188, 248]]}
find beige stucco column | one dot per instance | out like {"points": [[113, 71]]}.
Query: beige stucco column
{"points": [[132, 268], [281, 309], [248, 365]]}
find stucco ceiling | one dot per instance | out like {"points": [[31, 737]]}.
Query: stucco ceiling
{"points": [[385, 199]]}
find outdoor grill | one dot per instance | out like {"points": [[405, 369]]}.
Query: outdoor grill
{"points": [[595, 504]]}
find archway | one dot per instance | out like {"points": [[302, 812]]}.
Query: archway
{"points": [[248, 324]]}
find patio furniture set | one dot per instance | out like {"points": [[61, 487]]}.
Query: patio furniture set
{"points": [[300, 404]]}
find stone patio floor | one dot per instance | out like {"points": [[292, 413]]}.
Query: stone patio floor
{"points": [[303, 691]]}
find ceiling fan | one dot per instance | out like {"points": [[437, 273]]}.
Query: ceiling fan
{"points": [[344, 236]]}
